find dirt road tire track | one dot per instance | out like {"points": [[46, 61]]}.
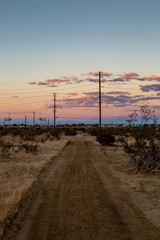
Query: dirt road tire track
{"points": [[77, 198]]}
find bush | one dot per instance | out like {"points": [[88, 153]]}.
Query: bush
{"points": [[93, 131], [30, 148], [105, 138], [145, 150], [5, 147], [70, 131]]}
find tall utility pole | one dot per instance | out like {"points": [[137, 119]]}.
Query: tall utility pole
{"points": [[25, 120], [54, 108], [33, 118], [100, 99]]}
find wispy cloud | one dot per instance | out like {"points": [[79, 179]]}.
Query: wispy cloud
{"points": [[42, 83], [152, 87], [125, 77], [131, 75], [93, 77], [95, 80], [49, 81], [95, 74], [91, 99], [117, 80], [32, 83], [118, 93], [151, 78], [56, 81]]}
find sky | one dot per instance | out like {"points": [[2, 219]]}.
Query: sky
{"points": [[59, 46]]}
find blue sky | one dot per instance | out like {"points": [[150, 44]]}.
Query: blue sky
{"points": [[76, 35], [55, 38]]}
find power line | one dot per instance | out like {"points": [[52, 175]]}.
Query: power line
{"points": [[111, 87]]}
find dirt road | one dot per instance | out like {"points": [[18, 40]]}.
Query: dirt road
{"points": [[78, 198]]}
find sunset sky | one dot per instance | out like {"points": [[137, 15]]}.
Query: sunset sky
{"points": [[59, 46]]}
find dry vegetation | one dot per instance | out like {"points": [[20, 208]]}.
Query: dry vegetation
{"points": [[143, 189], [141, 142], [23, 153], [132, 151]]}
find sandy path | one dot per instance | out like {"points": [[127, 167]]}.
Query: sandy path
{"points": [[77, 198]]}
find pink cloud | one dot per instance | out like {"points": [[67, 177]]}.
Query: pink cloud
{"points": [[131, 75], [56, 80], [154, 78], [42, 83], [97, 74], [50, 82], [72, 79], [32, 83], [90, 100]]}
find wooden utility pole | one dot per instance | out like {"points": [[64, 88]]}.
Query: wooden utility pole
{"points": [[33, 118], [25, 120], [54, 108], [99, 99]]}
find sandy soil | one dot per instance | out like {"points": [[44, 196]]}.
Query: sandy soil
{"points": [[87, 192]]}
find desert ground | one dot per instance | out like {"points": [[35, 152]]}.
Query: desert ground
{"points": [[74, 188]]}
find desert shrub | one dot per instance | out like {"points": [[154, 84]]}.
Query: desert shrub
{"points": [[5, 147], [122, 131], [93, 131], [70, 131], [3, 131], [30, 147], [105, 138], [29, 133], [105, 135], [82, 129], [55, 132], [145, 150]]}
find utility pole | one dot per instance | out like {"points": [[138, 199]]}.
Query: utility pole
{"points": [[54, 108], [33, 118], [25, 120], [99, 99]]}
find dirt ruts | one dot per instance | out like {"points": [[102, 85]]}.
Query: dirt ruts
{"points": [[78, 198]]}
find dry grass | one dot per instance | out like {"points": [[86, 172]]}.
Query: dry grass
{"points": [[144, 189], [18, 172]]}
